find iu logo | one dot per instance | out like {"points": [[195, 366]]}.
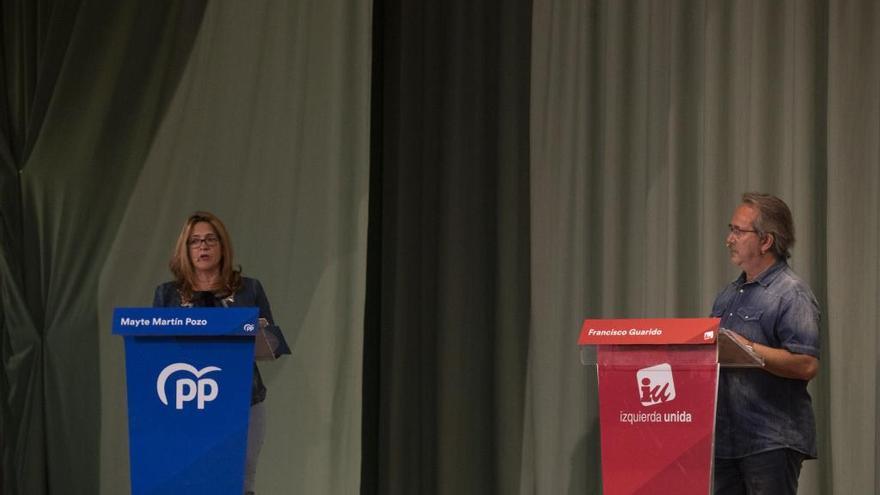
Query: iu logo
{"points": [[186, 389], [655, 384]]}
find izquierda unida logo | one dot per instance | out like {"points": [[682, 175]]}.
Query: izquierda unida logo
{"points": [[190, 385], [655, 385]]}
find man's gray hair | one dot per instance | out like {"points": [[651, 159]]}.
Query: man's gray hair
{"points": [[774, 217]]}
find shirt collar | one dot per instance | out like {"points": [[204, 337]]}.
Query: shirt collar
{"points": [[766, 277]]}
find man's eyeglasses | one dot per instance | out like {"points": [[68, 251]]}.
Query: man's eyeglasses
{"points": [[738, 232], [209, 240]]}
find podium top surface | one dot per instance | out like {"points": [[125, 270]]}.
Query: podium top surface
{"points": [[185, 321], [649, 331]]}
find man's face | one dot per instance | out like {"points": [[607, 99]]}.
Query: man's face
{"points": [[743, 243]]}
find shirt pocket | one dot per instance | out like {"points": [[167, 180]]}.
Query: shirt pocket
{"points": [[749, 323], [748, 314]]}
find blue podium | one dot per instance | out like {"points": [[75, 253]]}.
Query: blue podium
{"points": [[189, 374]]}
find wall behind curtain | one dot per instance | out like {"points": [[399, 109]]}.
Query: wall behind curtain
{"points": [[268, 129], [648, 120]]}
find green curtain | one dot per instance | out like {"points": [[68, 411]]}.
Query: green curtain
{"points": [[122, 118], [851, 403], [268, 129], [448, 326], [648, 120], [536, 163], [84, 87]]}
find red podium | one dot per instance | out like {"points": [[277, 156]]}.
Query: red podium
{"points": [[658, 383]]}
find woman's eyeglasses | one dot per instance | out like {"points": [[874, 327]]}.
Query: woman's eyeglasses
{"points": [[209, 240]]}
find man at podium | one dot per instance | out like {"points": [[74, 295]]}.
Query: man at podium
{"points": [[205, 276], [765, 427]]}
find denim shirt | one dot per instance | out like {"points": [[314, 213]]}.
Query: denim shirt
{"points": [[759, 411]]}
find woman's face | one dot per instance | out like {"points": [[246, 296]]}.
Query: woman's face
{"points": [[204, 248]]}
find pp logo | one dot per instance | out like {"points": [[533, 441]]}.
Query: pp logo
{"points": [[709, 335], [655, 384], [248, 327], [186, 389]]}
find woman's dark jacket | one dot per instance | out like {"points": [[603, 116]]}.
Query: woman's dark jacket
{"points": [[250, 294]]}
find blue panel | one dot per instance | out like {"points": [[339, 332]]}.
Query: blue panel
{"points": [[188, 405]]}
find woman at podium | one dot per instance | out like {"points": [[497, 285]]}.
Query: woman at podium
{"points": [[205, 276]]}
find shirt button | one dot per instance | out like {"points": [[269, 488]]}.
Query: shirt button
{"points": [[741, 291], [731, 314]]}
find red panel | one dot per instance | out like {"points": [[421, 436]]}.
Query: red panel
{"points": [[657, 421]]}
